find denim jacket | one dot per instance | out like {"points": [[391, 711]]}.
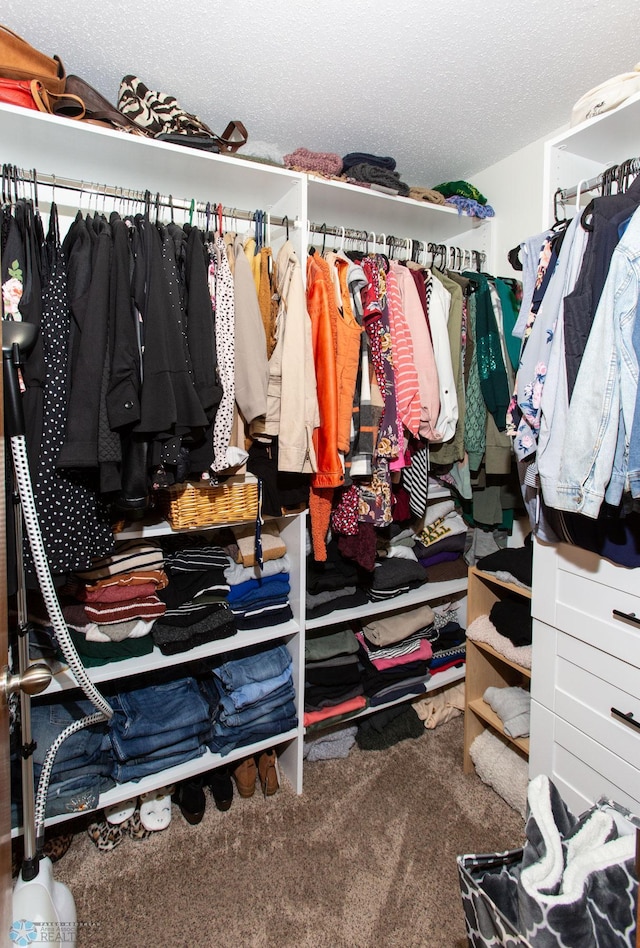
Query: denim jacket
{"points": [[605, 391]]}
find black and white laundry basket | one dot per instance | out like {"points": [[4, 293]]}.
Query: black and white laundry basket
{"points": [[573, 884]]}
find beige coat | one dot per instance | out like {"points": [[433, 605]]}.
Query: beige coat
{"points": [[292, 401], [251, 370]]}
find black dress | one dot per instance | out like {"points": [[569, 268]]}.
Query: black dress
{"points": [[74, 521]]}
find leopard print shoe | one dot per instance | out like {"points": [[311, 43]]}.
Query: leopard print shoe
{"points": [[56, 847], [133, 827], [104, 836]]}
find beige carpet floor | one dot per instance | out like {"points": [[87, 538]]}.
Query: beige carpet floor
{"points": [[365, 857]]}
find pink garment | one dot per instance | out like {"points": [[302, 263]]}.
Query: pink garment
{"points": [[353, 704], [422, 652], [423, 354], [404, 366], [113, 593]]}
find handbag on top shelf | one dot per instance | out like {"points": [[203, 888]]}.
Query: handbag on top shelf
{"points": [[19, 60]]}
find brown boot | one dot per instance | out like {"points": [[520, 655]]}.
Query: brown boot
{"points": [[268, 772], [244, 774]]}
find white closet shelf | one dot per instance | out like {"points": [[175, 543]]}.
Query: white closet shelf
{"points": [[63, 680], [427, 593], [135, 162], [338, 203], [165, 778], [608, 143]]}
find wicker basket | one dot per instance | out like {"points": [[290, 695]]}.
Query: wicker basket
{"points": [[200, 505]]}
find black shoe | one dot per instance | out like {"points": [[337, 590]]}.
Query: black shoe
{"points": [[221, 786], [190, 797]]}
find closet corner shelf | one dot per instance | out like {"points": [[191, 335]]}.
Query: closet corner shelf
{"points": [[514, 588], [490, 650], [428, 592], [63, 680], [487, 714]]}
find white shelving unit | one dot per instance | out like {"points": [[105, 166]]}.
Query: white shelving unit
{"points": [[98, 157]]}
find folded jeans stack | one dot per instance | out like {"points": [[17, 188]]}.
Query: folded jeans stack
{"points": [[156, 727], [83, 767], [251, 698]]}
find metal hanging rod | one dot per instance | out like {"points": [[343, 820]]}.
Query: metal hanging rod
{"points": [[407, 243], [139, 197], [618, 174]]}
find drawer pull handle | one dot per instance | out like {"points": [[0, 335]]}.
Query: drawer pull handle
{"points": [[629, 616], [628, 717]]}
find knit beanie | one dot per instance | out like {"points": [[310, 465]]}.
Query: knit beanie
{"points": [[325, 162]]}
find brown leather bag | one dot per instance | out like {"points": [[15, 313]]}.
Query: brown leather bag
{"points": [[19, 60]]}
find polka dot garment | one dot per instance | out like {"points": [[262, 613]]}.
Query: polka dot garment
{"points": [[222, 297], [73, 521]]}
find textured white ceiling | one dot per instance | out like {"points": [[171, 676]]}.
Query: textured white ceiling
{"points": [[447, 88]]}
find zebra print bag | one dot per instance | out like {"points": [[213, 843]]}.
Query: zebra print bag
{"points": [[160, 114]]}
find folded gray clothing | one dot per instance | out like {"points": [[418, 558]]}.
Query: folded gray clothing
{"points": [[343, 642], [506, 577], [328, 595], [236, 573], [512, 705], [119, 631], [375, 175], [365, 157], [331, 746]]}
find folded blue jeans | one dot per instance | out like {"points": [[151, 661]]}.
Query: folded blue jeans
{"points": [[157, 744], [76, 794], [255, 691], [48, 721], [147, 718], [255, 667], [225, 739], [103, 764], [252, 712], [124, 773]]}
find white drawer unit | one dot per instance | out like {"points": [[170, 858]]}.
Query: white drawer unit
{"points": [[585, 719]]}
